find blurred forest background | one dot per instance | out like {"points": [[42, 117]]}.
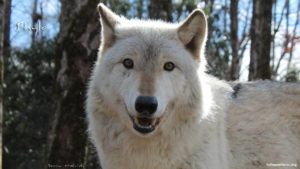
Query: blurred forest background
{"points": [[48, 48]]}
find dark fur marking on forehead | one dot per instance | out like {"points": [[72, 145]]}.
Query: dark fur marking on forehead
{"points": [[151, 49], [149, 52]]}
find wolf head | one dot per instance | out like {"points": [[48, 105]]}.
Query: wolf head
{"points": [[147, 71]]}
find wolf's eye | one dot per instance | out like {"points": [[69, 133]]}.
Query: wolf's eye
{"points": [[128, 63], [169, 66]]}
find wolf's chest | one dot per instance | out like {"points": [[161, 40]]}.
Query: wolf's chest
{"points": [[135, 156]]}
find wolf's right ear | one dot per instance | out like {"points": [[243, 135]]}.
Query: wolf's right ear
{"points": [[192, 33], [108, 20]]}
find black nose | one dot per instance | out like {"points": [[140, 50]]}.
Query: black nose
{"points": [[146, 105]]}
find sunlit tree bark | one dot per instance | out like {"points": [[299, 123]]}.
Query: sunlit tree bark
{"points": [[77, 46]]}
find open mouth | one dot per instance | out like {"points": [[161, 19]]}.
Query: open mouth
{"points": [[144, 125]]}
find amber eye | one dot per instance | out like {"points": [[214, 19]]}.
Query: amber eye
{"points": [[169, 66], [128, 63]]}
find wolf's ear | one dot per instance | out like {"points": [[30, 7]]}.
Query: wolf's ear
{"points": [[108, 20], [192, 33]]}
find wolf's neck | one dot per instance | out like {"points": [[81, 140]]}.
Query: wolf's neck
{"points": [[200, 140]]}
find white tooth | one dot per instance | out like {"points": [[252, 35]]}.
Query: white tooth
{"points": [[145, 127], [136, 120], [153, 122]]}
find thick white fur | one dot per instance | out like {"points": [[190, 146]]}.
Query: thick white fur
{"points": [[195, 132], [264, 125]]}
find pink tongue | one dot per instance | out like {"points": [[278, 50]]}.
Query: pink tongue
{"points": [[144, 121]]}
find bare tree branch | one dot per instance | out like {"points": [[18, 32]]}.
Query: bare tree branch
{"points": [[275, 30], [293, 39], [287, 38], [245, 33]]}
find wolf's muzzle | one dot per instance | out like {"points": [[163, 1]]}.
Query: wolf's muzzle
{"points": [[144, 122]]}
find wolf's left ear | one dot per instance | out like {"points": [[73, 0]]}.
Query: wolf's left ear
{"points": [[108, 20], [192, 33]]}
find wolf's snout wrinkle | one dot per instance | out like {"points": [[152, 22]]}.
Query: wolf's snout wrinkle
{"points": [[146, 105]]}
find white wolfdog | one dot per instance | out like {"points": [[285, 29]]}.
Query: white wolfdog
{"points": [[151, 106]]}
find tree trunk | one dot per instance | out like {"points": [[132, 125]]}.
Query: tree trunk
{"points": [[1, 74], [6, 31], [235, 62], [160, 10], [260, 40], [5, 11], [77, 46], [34, 19]]}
